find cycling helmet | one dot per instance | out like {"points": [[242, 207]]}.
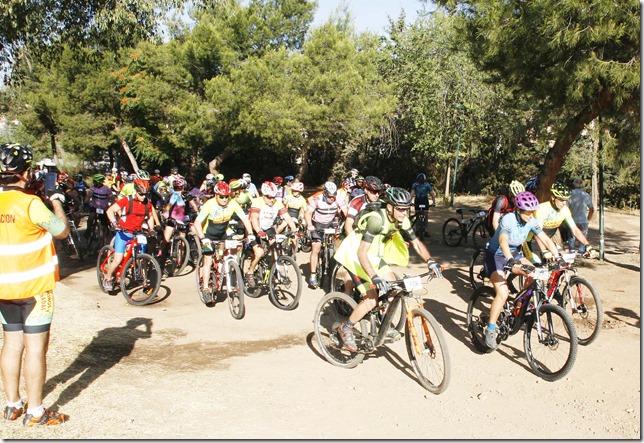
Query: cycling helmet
{"points": [[297, 187], [516, 187], [143, 174], [237, 184], [330, 189], [421, 177], [178, 183], [531, 184], [78, 177], [130, 178], [397, 196], [353, 172], [348, 184], [526, 201], [174, 170], [141, 186], [289, 178], [157, 172], [559, 190], [278, 180], [359, 179], [269, 189], [373, 183], [219, 177], [222, 188], [98, 178], [62, 177], [210, 176]]}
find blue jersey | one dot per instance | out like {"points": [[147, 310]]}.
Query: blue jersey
{"points": [[422, 189], [517, 232]]}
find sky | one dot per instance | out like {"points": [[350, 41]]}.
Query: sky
{"points": [[369, 15]]}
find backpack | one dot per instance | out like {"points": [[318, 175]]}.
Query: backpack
{"points": [[130, 205], [490, 212]]}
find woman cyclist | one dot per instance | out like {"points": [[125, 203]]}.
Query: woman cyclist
{"points": [[505, 248]]}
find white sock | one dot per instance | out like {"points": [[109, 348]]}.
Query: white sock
{"points": [[15, 404], [36, 412]]}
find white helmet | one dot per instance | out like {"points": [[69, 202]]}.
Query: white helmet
{"points": [[269, 189], [330, 189]]}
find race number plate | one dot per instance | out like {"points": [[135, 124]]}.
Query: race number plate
{"points": [[481, 214], [143, 240], [569, 258], [412, 283], [541, 274], [231, 244], [100, 211], [328, 231]]}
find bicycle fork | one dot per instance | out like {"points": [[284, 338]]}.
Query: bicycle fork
{"points": [[420, 347]]}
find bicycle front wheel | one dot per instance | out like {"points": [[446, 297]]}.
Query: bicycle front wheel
{"points": [[480, 235], [331, 311], [285, 283], [234, 287], [478, 276], [478, 316], [141, 279], [452, 234], [427, 350], [552, 351], [180, 255], [205, 292], [102, 263], [586, 309], [247, 258]]}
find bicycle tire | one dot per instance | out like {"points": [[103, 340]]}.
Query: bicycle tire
{"points": [[94, 239], [587, 317], [452, 232], [477, 273], [480, 235], [205, 297], [325, 323], [195, 249], [419, 226], [78, 245], [180, 255], [101, 268], [305, 242], [478, 316], [234, 283], [247, 258], [141, 279], [285, 283], [555, 358], [432, 365]]}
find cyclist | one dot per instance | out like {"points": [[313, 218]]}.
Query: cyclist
{"points": [[421, 190], [358, 189], [130, 220], [250, 186], [280, 190], [501, 205], [128, 187], [295, 204], [212, 222], [81, 187], [263, 214], [288, 182], [323, 209], [551, 215], [98, 197], [373, 190], [377, 242], [505, 248], [238, 194]]}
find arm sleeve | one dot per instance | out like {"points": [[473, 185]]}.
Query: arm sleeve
{"points": [[43, 217]]}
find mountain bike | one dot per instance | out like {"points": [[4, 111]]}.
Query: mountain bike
{"points": [[419, 220], [139, 273], [550, 338], [225, 276], [72, 243], [326, 262], [178, 253], [424, 340], [456, 230], [478, 276], [98, 232], [276, 272]]}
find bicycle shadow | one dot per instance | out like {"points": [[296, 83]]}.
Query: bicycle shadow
{"points": [[621, 314], [105, 350]]}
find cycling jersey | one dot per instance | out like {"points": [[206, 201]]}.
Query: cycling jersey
{"points": [[294, 205], [132, 221], [267, 214], [516, 230], [550, 218], [177, 208], [355, 205], [127, 190], [422, 190], [217, 216], [100, 197], [323, 211]]}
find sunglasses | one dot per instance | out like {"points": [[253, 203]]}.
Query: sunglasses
{"points": [[563, 200], [144, 194], [401, 208], [224, 197], [270, 198]]}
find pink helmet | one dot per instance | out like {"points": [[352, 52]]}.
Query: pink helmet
{"points": [[269, 189], [526, 201], [297, 187]]}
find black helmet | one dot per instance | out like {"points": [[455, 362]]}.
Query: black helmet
{"points": [[15, 159], [560, 191], [397, 196], [373, 183]]}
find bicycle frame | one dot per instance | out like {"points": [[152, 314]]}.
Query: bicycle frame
{"points": [[131, 249], [224, 257]]}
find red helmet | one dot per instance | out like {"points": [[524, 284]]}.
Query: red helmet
{"points": [[269, 189], [141, 186], [278, 180], [222, 188], [297, 187], [62, 177]]}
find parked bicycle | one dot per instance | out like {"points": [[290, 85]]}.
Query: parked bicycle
{"points": [[276, 272], [456, 230], [550, 338], [225, 276], [139, 273], [424, 340]]}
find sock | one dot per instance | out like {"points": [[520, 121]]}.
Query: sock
{"points": [[36, 412], [15, 404], [491, 326]]}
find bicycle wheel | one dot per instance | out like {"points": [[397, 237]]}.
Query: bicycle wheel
{"points": [[94, 239], [585, 308], [419, 226], [305, 242], [195, 249], [327, 319], [179, 257], [205, 296], [552, 356], [427, 350], [102, 263], [141, 279], [234, 284], [452, 232], [247, 258], [78, 244], [478, 276], [478, 316], [285, 283], [480, 235]]}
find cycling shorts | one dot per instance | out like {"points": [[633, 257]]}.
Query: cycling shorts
{"points": [[495, 262], [318, 234], [120, 240], [361, 280], [31, 315], [270, 232], [421, 201]]}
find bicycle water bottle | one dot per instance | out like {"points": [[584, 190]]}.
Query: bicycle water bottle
{"points": [[518, 303]]}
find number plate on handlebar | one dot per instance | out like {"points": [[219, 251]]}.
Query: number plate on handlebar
{"points": [[231, 244], [328, 231], [142, 239], [481, 213], [541, 274], [279, 238], [100, 211], [569, 258], [422, 206], [412, 283]]}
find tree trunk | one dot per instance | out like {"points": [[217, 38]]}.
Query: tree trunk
{"points": [[447, 180], [126, 147], [304, 163], [214, 164], [557, 154]]}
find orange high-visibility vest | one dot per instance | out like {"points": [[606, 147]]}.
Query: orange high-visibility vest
{"points": [[28, 261]]}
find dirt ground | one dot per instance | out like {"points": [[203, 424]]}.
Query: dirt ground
{"points": [[178, 369]]}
